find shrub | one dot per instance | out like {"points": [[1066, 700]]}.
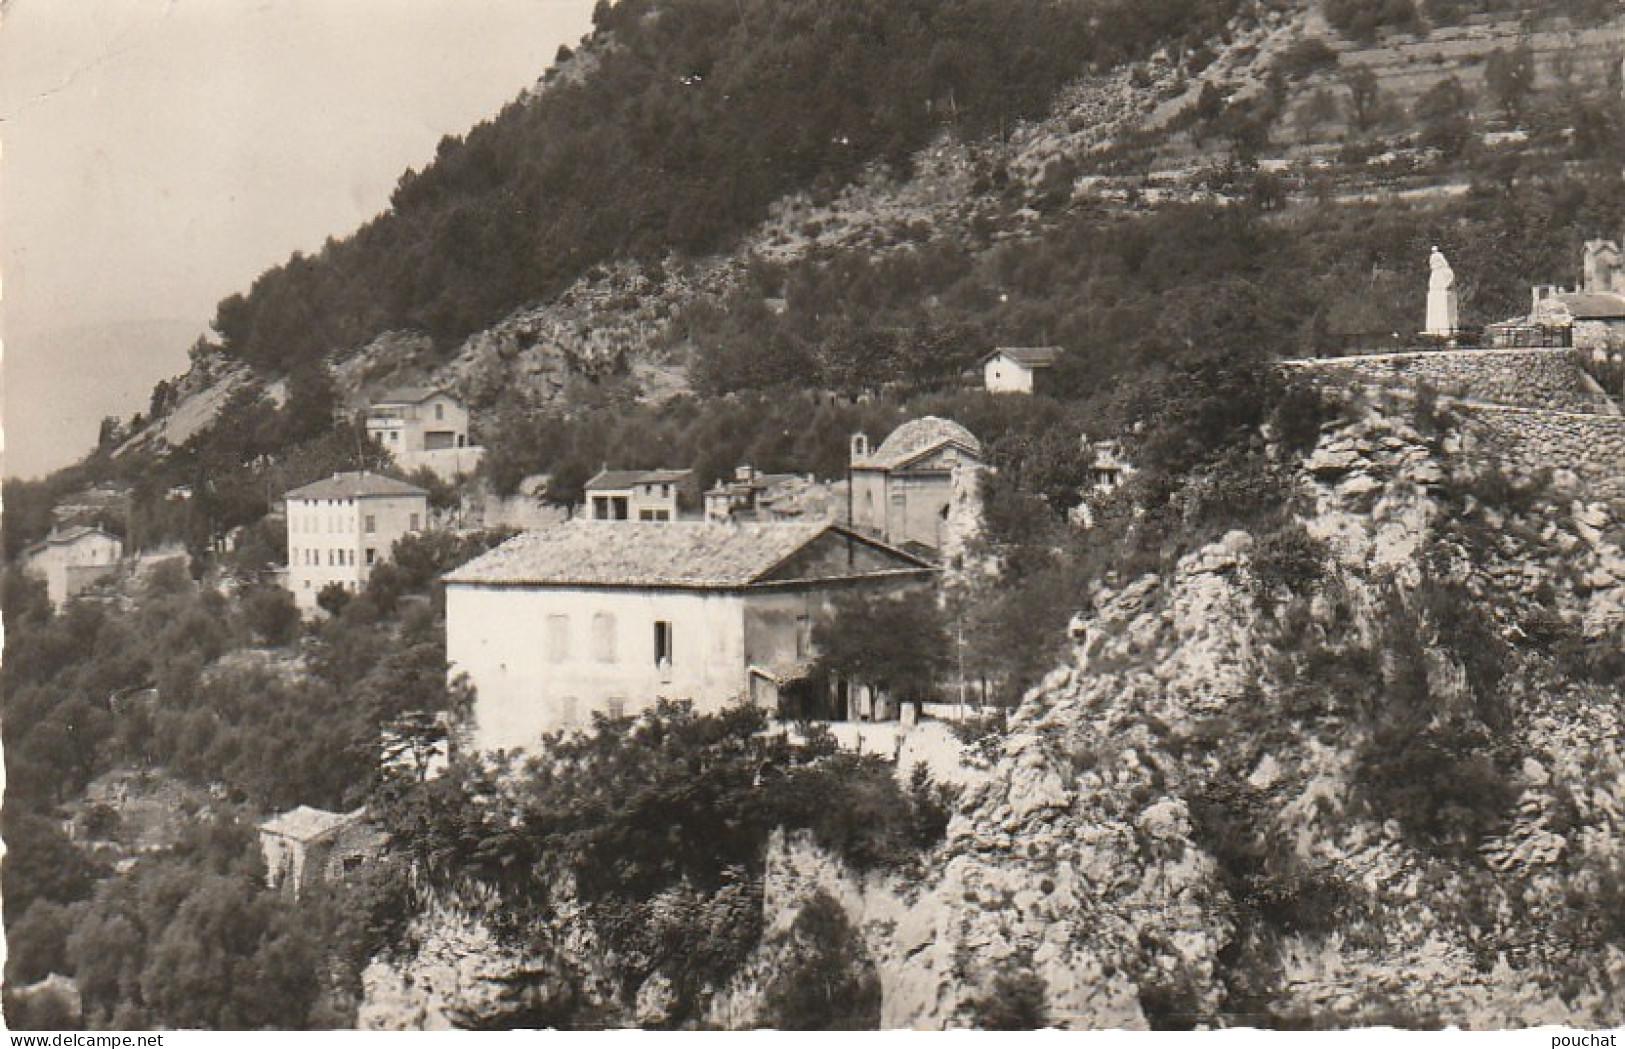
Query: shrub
{"points": [[269, 612], [332, 598], [1299, 415], [1017, 1001], [1363, 19], [931, 806], [826, 981], [1288, 558], [1171, 1005], [1305, 56], [1441, 783], [1495, 488]]}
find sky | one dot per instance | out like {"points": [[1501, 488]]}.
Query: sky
{"points": [[157, 155]]}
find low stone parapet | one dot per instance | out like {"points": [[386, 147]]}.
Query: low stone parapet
{"points": [[1550, 379]]}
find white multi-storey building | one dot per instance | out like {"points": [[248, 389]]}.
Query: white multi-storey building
{"points": [[418, 420], [340, 527]]}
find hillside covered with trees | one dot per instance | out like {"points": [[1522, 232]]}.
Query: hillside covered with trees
{"points": [[693, 118]]}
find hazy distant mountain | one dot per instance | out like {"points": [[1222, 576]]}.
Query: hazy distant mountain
{"points": [[91, 371]]}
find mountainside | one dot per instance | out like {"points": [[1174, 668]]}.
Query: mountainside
{"points": [[1296, 677], [520, 264]]}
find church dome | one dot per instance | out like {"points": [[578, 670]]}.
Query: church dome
{"points": [[920, 435]]}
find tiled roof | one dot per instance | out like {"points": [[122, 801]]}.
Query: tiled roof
{"points": [[1029, 356], [306, 823], [76, 533], [355, 485], [679, 554], [407, 395], [618, 480], [916, 437], [66, 536]]}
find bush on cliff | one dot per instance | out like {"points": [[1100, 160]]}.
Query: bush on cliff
{"points": [[658, 827], [1017, 1001], [826, 980]]}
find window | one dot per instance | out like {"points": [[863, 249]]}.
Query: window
{"points": [[372, 555], [556, 639], [413, 526], [803, 636], [663, 643], [439, 412], [603, 637], [617, 707], [371, 523]]}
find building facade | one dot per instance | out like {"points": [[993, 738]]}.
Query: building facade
{"points": [[1018, 369], [587, 617], [71, 559], [636, 495], [903, 491], [413, 419], [339, 528]]}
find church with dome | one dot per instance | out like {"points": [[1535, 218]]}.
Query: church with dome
{"points": [[903, 492]]}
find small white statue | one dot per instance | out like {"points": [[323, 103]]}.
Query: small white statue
{"points": [[1443, 308]]}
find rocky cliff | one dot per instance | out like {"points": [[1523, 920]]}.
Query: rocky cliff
{"points": [[1202, 821]]}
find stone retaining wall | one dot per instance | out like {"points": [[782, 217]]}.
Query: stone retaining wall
{"points": [[1547, 379], [1592, 447]]}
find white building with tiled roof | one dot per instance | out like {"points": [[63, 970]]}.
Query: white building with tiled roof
{"points": [[904, 490], [340, 527], [70, 559], [1017, 369], [587, 616], [636, 495]]}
